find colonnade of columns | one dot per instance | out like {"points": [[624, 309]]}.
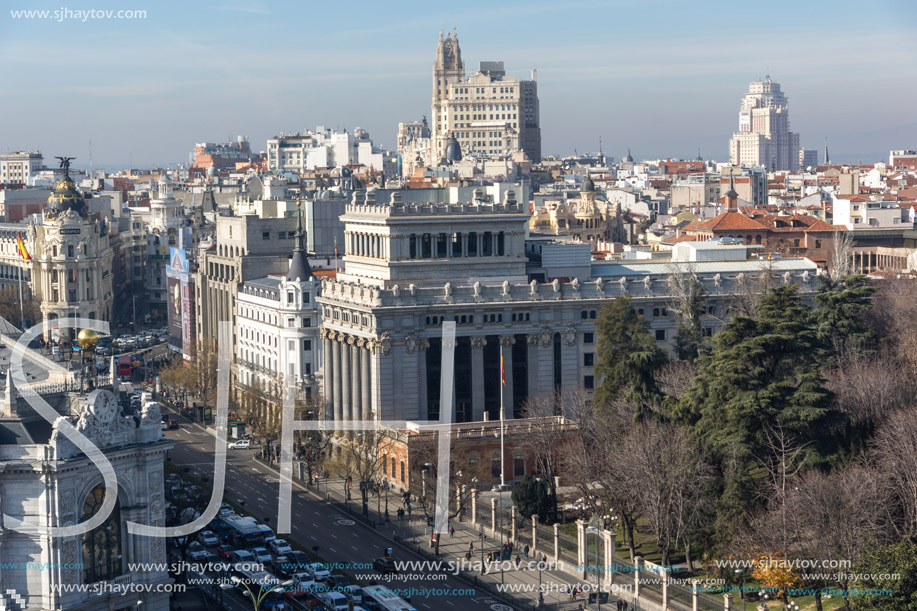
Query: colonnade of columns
{"points": [[865, 262], [347, 385]]}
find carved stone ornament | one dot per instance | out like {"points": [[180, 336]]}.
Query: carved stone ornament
{"points": [[410, 343], [150, 414], [546, 335], [506, 287], [575, 284], [101, 422], [396, 290], [507, 340], [718, 280], [622, 281], [351, 340], [478, 341], [532, 339], [740, 277], [569, 335], [533, 287], [556, 285], [385, 343], [787, 277], [476, 288], [648, 283], [423, 343], [413, 290], [600, 284], [805, 277], [447, 289]]}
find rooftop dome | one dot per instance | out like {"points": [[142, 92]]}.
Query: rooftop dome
{"points": [[65, 196], [453, 150], [588, 185]]}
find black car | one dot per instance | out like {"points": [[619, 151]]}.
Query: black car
{"points": [[384, 566], [299, 559], [337, 581]]}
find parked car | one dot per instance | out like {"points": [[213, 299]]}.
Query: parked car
{"points": [[241, 444], [261, 555], [225, 552], [384, 566], [208, 539], [280, 547], [226, 510], [300, 559]]}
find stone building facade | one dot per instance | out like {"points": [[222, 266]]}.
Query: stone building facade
{"points": [[410, 267]]}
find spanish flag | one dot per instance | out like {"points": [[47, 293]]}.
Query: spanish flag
{"points": [[22, 249], [502, 370]]}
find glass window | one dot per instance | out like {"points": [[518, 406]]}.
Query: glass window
{"points": [[589, 359], [588, 382]]}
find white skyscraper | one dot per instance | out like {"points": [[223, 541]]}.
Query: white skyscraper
{"points": [[764, 137]]}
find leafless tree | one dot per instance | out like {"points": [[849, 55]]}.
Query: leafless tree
{"points": [[895, 449], [675, 377], [466, 474], [869, 387], [783, 462], [749, 288], [841, 254]]}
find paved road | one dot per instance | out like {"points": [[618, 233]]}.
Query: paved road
{"points": [[314, 523]]}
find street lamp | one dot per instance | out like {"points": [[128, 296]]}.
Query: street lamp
{"points": [[263, 593]]}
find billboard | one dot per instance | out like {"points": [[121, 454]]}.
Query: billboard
{"points": [[180, 285]]}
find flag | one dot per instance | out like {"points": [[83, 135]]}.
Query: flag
{"points": [[22, 249], [502, 370], [335, 246]]}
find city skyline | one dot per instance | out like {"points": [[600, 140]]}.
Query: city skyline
{"points": [[658, 78]]}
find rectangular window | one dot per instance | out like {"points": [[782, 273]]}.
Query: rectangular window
{"points": [[588, 338], [307, 322], [305, 297], [660, 335], [291, 322], [289, 296], [588, 382], [589, 359], [817, 243], [307, 344], [266, 235], [518, 466], [291, 345]]}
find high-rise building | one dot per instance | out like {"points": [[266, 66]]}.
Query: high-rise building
{"points": [[17, 168], [764, 137], [487, 113]]}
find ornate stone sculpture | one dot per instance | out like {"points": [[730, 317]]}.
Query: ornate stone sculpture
{"points": [[506, 287], [546, 336], [476, 289], [478, 341], [385, 343], [413, 290], [151, 415], [396, 290], [600, 284], [556, 285], [507, 340], [648, 283], [569, 335], [410, 343], [533, 287], [447, 289], [575, 284], [805, 277], [622, 282], [718, 280], [787, 277]]}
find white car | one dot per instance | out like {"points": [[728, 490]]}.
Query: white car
{"points": [[197, 553], [354, 593], [242, 444], [261, 555], [319, 572], [208, 539], [280, 547], [226, 510]]}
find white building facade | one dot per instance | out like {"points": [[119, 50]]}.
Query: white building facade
{"points": [[764, 137]]}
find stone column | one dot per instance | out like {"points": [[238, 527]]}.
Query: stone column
{"points": [[356, 390], [493, 517], [365, 395], [694, 588], [638, 562], [513, 526], [506, 345], [474, 507], [327, 377], [609, 556], [664, 578], [581, 543], [532, 340], [534, 533], [727, 602], [477, 377], [336, 374], [556, 542], [346, 382]]}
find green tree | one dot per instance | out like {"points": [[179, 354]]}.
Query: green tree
{"points": [[840, 316], [628, 357], [762, 371], [532, 498], [897, 559]]}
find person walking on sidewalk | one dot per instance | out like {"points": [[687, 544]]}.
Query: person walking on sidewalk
{"points": [[451, 531], [525, 550], [471, 546]]}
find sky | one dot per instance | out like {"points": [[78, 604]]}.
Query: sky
{"points": [[662, 78]]}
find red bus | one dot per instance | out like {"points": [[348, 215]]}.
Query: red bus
{"points": [[124, 368]]}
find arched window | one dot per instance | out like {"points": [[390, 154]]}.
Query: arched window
{"points": [[102, 546]]}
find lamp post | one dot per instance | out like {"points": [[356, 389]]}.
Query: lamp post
{"points": [[263, 593]]}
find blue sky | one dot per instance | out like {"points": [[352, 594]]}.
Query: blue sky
{"points": [[661, 77]]}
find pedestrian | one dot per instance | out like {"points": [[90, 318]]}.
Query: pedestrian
{"points": [[623, 605], [525, 550], [518, 561], [451, 531], [471, 546], [619, 604]]}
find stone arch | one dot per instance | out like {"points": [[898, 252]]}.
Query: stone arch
{"points": [[103, 547]]}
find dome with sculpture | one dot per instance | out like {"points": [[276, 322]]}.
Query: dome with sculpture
{"points": [[66, 196]]}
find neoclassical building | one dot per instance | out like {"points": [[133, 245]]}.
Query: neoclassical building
{"points": [[409, 267], [587, 219], [45, 479]]}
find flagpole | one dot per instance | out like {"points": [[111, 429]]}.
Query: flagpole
{"points": [[21, 310], [502, 389]]}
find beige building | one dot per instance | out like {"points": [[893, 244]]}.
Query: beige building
{"points": [[586, 219], [764, 137], [16, 168], [487, 113]]}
